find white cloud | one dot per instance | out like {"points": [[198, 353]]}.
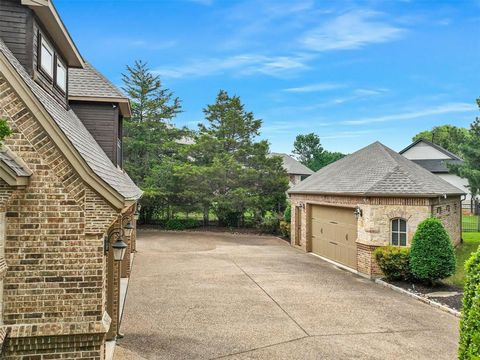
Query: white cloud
{"points": [[315, 88], [352, 30], [349, 134], [438, 110], [245, 64]]}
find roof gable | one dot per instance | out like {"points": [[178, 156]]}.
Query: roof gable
{"points": [[88, 84], [426, 150], [376, 170], [71, 136]]}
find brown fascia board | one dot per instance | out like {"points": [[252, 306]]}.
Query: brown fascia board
{"points": [[48, 15], [58, 137], [123, 103]]}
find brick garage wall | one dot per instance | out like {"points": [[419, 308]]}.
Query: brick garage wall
{"points": [[374, 225], [449, 211], [55, 284]]}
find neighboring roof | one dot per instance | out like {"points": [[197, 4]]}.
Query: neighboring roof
{"points": [[437, 166], [49, 17], [12, 169], [113, 180], [438, 147], [88, 84], [376, 170], [293, 166]]}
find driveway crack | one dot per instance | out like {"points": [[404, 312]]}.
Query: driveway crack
{"points": [[271, 298]]}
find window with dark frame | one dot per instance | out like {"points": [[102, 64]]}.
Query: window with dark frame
{"points": [[50, 64], [398, 232], [47, 56]]}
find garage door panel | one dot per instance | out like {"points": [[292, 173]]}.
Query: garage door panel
{"points": [[334, 233]]}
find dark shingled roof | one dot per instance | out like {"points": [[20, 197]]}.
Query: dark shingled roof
{"points": [[376, 170], [293, 166], [88, 82], [78, 135]]}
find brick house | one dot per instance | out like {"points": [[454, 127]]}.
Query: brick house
{"points": [[64, 198], [295, 169], [371, 198]]}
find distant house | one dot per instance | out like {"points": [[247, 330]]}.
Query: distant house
{"points": [[436, 159], [295, 169]]}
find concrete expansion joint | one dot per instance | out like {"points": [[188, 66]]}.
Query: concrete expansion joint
{"points": [[271, 298], [320, 335]]}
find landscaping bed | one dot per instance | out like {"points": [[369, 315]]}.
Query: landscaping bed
{"points": [[444, 294]]}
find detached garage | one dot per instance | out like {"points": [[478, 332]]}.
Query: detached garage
{"points": [[373, 197]]}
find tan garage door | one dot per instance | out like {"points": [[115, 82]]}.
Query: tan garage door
{"points": [[334, 232]]}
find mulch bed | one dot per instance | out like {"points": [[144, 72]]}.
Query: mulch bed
{"points": [[453, 302]]}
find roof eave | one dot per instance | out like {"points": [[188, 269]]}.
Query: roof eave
{"points": [[123, 103], [48, 15], [373, 194], [105, 190]]}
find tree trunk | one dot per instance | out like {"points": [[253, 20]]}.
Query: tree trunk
{"points": [[205, 216]]}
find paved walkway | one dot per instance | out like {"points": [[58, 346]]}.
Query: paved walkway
{"points": [[217, 296]]}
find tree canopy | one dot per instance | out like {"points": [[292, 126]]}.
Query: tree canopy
{"points": [[470, 149], [309, 152], [449, 137]]}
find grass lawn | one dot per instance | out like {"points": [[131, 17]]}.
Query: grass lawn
{"points": [[463, 252], [470, 223]]}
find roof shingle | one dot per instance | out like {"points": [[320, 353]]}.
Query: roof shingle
{"points": [[78, 135], [376, 170], [88, 82], [293, 166]]}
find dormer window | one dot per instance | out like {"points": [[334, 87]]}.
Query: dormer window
{"points": [[46, 57], [61, 75], [51, 65]]}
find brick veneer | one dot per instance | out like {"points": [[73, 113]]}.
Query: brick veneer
{"points": [[374, 225], [54, 292]]}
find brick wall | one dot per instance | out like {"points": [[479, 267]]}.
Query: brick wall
{"points": [[374, 225], [54, 289]]}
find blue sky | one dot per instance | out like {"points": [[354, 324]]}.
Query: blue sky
{"points": [[351, 71]]}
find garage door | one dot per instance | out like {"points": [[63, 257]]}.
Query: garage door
{"points": [[334, 232]]}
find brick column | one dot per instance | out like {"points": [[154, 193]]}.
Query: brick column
{"points": [[3, 272]]}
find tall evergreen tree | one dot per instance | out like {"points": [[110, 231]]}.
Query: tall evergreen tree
{"points": [[149, 100]]}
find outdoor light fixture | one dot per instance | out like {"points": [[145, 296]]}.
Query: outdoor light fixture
{"points": [[119, 249], [136, 215], [358, 212], [119, 246], [128, 229]]}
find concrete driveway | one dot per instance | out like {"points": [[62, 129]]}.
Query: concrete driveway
{"points": [[222, 296]]}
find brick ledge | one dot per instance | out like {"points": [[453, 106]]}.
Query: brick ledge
{"points": [[60, 329]]}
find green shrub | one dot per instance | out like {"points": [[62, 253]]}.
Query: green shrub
{"points": [[287, 215], [270, 223], [181, 224], [431, 256], [469, 348], [394, 262], [285, 228]]}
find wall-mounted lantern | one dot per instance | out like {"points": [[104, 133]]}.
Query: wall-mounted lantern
{"points": [[119, 246], [358, 212]]}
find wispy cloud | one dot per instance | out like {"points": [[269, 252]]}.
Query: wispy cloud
{"points": [[201, 2], [349, 134], [315, 88], [245, 64], [352, 30], [410, 115], [287, 127]]}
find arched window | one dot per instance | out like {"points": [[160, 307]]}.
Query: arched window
{"points": [[398, 231]]}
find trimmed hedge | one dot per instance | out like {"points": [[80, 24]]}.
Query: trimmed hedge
{"points": [[469, 348], [394, 262], [181, 224], [432, 256]]}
